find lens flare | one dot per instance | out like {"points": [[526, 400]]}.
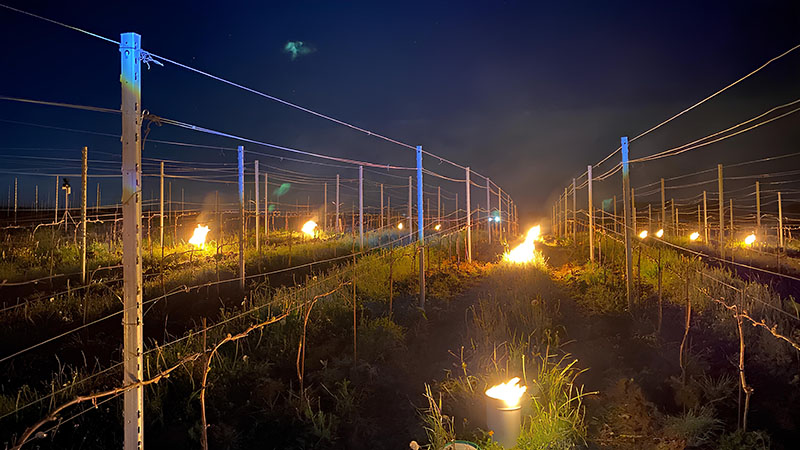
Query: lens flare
{"points": [[309, 228], [509, 392], [524, 253], [199, 236], [750, 239], [694, 236]]}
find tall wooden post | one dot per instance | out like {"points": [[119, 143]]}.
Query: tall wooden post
{"points": [[420, 230], [663, 207], [258, 210], [574, 212], [616, 219], [730, 211], [780, 221], [591, 214], [488, 211], [721, 213], [361, 207], [500, 214], [15, 200], [705, 219], [338, 223], [626, 206], [566, 213], [325, 207], [161, 210], [382, 219], [266, 207], [97, 201], [634, 224], [130, 52], [439, 205], [469, 219], [55, 219], [410, 214], [758, 209], [84, 186], [241, 217]]}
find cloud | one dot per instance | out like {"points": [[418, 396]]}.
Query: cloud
{"points": [[298, 48]]}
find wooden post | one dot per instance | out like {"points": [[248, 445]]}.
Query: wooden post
{"points": [[15, 200], [84, 180], [574, 213], [266, 207], [626, 206], [338, 223], [420, 230], [731, 214], [566, 213], [55, 219], [488, 211], [469, 220], [133, 363], [97, 201], [721, 213], [616, 219], [241, 217], [758, 209], [382, 217], [361, 208], [500, 214], [161, 210], [591, 213], [258, 210], [634, 224], [663, 207], [438, 204], [410, 214], [780, 221], [705, 219], [325, 207], [36, 198]]}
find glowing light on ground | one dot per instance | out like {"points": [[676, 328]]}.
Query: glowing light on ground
{"points": [[199, 236], [750, 239], [509, 392], [694, 236], [309, 228], [643, 234], [524, 253], [660, 233]]}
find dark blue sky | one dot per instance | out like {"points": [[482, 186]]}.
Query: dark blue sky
{"points": [[527, 93]]}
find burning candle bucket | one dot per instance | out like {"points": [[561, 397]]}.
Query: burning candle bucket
{"points": [[504, 412], [504, 421]]}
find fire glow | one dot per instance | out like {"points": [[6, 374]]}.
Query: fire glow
{"points": [[309, 228], [509, 392], [199, 236], [750, 239], [694, 236], [524, 253]]}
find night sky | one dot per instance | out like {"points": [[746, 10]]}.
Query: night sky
{"points": [[527, 93]]}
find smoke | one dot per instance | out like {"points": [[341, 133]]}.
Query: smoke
{"points": [[298, 48]]}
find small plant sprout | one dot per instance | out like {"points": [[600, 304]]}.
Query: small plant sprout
{"points": [[694, 236], [199, 236], [643, 234]]}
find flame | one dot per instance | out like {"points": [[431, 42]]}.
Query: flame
{"points": [[309, 228], [643, 234], [400, 226], [199, 236], [524, 253], [437, 227], [694, 236], [509, 392], [750, 239], [660, 233]]}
